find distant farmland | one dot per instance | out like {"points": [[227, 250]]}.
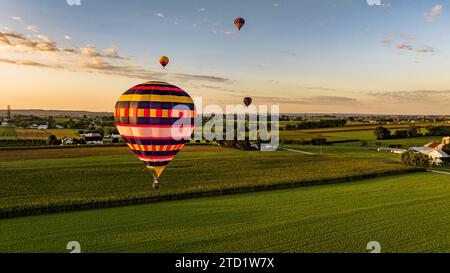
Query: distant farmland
{"points": [[406, 213], [44, 134]]}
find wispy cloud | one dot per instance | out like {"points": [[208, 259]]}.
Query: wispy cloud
{"points": [[84, 59], [425, 49], [17, 18], [33, 29], [160, 14], [201, 10], [403, 46], [313, 100], [434, 13], [413, 96], [406, 42], [67, 37]]}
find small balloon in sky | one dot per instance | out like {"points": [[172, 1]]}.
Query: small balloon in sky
{"points": [[248, 101], [164, 61], [239, 22]]}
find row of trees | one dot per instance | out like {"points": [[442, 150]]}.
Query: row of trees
{"points": [[314, 141], [382, 133], [441, 130], [325, 123]]}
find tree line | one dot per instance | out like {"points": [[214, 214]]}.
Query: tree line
{"points": [[324, 123]]}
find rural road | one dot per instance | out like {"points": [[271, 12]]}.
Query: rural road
{"points": [[439, 172], [297, 151]]}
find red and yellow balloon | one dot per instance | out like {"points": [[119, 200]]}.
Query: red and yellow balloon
{"points": [[164, 61]]}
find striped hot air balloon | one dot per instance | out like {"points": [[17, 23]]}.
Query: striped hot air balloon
{"points": [[155, 119]]}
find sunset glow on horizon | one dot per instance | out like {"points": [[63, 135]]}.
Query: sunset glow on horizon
{"points": [[324, 56]]}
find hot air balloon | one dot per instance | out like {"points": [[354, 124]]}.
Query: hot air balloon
{"points": [[248, 101], [164, 61], [239, 22], [155, 119]]}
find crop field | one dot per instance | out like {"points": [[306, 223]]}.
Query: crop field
{"points": [[114, 174], [346, 133], [61, 133], [44, 134], [7, 133], [407, 213], [349, 152]]}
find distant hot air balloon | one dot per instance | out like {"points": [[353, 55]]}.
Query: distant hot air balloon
{"points": [[149, 116], [164, 61], [248, 101], [239, 22]]}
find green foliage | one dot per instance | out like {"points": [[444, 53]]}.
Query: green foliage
{"points": [[53, 140], [319, 140], [441, 130], [381, 133], [446, 149], [416, 159], [316, 124], [401, 134]]}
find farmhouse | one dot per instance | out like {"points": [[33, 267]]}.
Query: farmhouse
{"points": [[39, 127], [433, 145], [93, 138], [67, 141], [434, 151], [6, 123]]}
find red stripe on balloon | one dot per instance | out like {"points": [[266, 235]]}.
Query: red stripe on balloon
{"points": [[154, 126], [157, 157]]}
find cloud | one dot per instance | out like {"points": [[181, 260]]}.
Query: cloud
{"points": [[33, 29], [28, 63], [21, 43], [159, 14], [90, 51], [403, 46], [425, 49], [413, 96], [276, 5], [17, 18], [434, 13], [85, 59], [113, 53], [67, 37], [201, 10], [315, 100]]}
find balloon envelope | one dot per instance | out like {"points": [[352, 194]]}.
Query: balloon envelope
{"points": [[164, 61], [239, 22], [155, 119], [248, 101]]}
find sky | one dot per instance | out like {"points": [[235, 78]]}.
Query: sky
{"points": [[321, 56]]}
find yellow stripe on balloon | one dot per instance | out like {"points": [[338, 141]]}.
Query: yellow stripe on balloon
{"points": [[155, 98], [157, 83]]}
